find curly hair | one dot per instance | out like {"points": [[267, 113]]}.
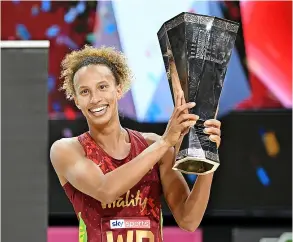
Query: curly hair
{"points": [[76, 59]]}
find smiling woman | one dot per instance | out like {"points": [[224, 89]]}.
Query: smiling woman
{"points": [[114, 176], [97, 92], [96, 78]]}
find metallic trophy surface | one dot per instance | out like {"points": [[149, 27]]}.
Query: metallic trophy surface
{"points": [[197, 48]]}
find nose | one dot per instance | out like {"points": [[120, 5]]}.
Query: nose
{"points": [[96, 98]]}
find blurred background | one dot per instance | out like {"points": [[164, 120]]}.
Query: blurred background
{"points": [[251, 198]]}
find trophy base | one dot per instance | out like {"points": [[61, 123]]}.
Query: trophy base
{"points": [[198, 165]]}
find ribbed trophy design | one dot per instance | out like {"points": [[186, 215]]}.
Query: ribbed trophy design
{"points": [[199, 47]]}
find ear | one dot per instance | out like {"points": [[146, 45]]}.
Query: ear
{"points": [[76, 102], [119, 91]]}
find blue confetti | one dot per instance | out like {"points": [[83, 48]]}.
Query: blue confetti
{"points": [[261, 131], [80, 7], [263, 176], [51, 83], [56, 107], [46, 6], [70, 16], [110, 28], [35, 11], [66, 41], [15, 1], [69, 43], [22, 32], [52, 31]]}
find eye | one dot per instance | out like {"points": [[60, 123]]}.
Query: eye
{"points": [[103, 87], [84, 92]]}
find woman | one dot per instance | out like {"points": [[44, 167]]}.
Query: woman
{"points": [[113, 176]]}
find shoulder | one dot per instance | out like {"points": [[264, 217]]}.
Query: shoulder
{"points": [[64, 144], [64, 147], [150, 137]]}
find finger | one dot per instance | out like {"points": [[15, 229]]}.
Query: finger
{"points": [[186, 116], [183, 98], [212, 131], [181, 108], [183, 102], [216, 139], [173, 71], [187, 124], [184, 132], [212, 122], [179, 95], [178, 100]]}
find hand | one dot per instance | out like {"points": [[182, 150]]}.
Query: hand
{"points": [[213, 128], [179, 122]]}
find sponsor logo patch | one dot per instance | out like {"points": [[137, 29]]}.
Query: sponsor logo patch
{"points": [[130, 224]]}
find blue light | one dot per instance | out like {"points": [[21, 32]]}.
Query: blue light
{"points": [[263, 176]]}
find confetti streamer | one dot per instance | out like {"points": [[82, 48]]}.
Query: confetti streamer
{"points": [[56, 107], [263, 176], [52, 31], [51, 83], [22, 32], [80, 7], [35, 11], [46, 6], [70, 16]]}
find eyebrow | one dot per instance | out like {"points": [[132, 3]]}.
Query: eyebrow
{"points": [[99, 82]]}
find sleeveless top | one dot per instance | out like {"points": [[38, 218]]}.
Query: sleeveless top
{"points": [[134, 217]]}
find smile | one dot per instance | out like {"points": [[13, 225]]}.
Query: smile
{"points": [[98, 111]]}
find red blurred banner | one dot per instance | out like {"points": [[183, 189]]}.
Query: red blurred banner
{"points": [[267, 29]]}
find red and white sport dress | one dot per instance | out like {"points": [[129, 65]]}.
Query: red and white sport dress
{"points": [[134, 217]]}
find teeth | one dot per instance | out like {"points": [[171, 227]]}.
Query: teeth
{"points": [[98, 109]]}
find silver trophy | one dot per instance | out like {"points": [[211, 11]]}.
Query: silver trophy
{"points": [[198, 48]]}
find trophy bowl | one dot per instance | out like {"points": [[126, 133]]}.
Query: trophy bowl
{"points": [[196, 50]]}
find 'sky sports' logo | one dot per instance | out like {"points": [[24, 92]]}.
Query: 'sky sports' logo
{"points": [[130, 224]]}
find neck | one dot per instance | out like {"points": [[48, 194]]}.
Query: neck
{"points": [[109, 135]]}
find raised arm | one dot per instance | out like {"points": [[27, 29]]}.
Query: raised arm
{"points": [[188, 207], [69, 162]]}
